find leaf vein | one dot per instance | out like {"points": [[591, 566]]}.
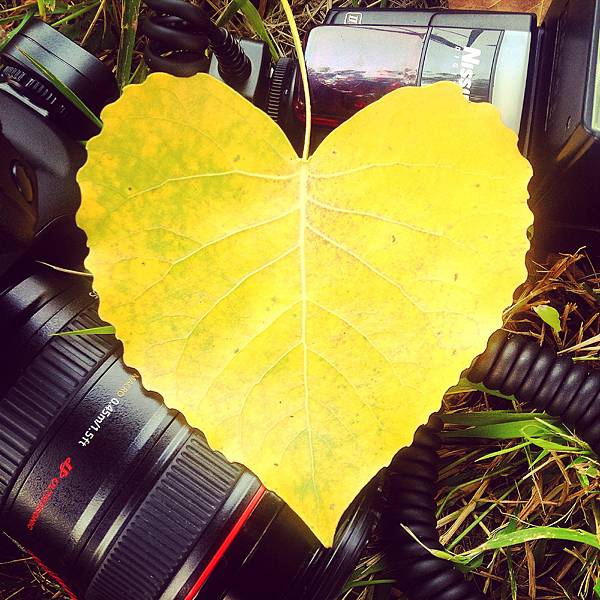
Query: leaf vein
{"points": [[368, 265], [208, 245], [259, 381], [388, 165], [276, 425], [232, 111], [230, 291], [184, 126], [358, 395], [351, 326], [383, 218], [254, 337], [195, 176], [303, 197]]}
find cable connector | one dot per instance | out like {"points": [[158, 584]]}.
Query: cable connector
{"points": [[179, 34]]}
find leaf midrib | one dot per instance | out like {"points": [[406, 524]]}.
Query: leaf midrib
{"points": [[302, 202]]}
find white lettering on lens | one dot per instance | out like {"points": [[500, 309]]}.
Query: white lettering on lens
{"points": [[106, 412]]}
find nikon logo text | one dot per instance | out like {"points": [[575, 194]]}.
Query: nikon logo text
{"points": [[470, 59]]}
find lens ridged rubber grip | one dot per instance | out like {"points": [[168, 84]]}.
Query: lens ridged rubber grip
{"points": [[33, 88], [276, 89], [43, 389], [166, 525]]}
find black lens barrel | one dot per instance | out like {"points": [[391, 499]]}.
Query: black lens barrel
{"points": [[38, 376], [176, 509], [115, 493]]}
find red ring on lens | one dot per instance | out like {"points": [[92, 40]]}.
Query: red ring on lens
{"points": [[214, 561]]}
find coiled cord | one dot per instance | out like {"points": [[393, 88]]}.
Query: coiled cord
{"points": [[513, 365], [179, 34], [411, 486]]}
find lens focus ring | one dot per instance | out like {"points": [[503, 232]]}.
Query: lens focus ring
{"points": [[167, 524]]}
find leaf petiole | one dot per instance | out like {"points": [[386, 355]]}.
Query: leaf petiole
{"points": [[302, 64]]}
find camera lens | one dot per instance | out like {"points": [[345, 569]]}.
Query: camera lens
{"points": [[38, 56], [114, 493]]}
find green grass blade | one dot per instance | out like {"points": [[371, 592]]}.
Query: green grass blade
{"points": [[57, 11], [104, 330], [546, 444], [233, 7], [530, 534], [464, 385], [140, 73], [64, 90], [367, 582], [254, 20], [16, 30], [41, 9], [73, 15], [503, 451], [456, 488], [129, 21], [502, 431], [479, 518], [493, 417], [377, 582]]}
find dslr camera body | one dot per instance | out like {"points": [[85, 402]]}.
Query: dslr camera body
{"points": [[111, 490]]}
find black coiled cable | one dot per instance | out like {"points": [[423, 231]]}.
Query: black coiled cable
{"points": [[513, 365], [517, 366], [179, 34], [411, 486]]}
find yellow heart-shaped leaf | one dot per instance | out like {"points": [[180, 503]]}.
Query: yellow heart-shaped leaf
{"points": [[307, 315]]}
